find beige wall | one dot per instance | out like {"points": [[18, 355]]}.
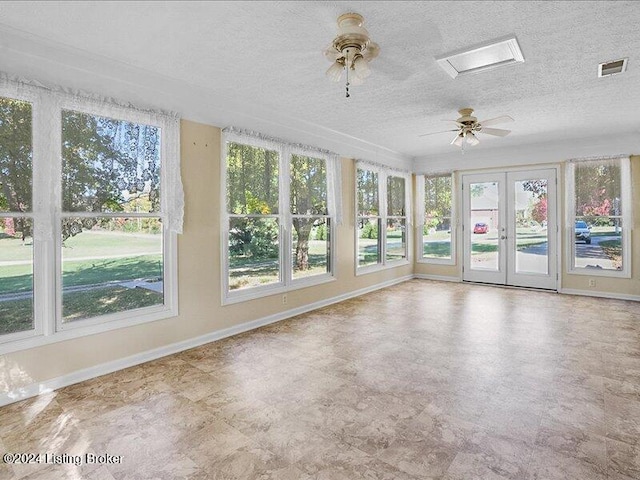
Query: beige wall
{"points": [[199, 278], [605, 285]]}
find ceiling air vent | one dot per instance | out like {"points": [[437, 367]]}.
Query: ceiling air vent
{"points": [[615, 67], [479, 58]]}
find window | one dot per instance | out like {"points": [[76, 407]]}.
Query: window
{"points": [[279, 217], [396, 224], [436, 226], [254, 224], [369, 219], [88, 241], [111, 224], [381, 234], [599, 225]]}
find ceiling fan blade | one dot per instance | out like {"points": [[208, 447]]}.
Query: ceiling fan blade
{"points": [[332, 53], [436, 133], [496, 121], [458, 141], [498, 132], [471, 139]]}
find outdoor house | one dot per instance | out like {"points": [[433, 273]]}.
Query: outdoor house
{"points": [[320, 240]]}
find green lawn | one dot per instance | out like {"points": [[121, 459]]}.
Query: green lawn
{"points": [[86, 244], [101, 301], [18, 278], [17, 315], [245, 272]]}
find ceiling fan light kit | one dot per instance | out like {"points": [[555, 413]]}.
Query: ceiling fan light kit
{"points": [[351, 51], [468, 126]]}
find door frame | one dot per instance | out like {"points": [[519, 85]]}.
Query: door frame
{"points": [[560, 198]]}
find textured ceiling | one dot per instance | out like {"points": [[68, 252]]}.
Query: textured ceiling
{"points": [[266, 57]]}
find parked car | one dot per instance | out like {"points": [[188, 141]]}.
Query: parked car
{"points": [[583, 232], [480, 228]]}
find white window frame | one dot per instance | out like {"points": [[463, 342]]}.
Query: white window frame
{"points": [[383, 174], [627, 220], [285, 226], [421, 213], [47, 175]]}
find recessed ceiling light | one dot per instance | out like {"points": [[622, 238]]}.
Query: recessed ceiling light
{"points": [[479, 58], [614, 67]]}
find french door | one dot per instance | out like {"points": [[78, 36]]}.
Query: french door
{"points": [[510, 228]]}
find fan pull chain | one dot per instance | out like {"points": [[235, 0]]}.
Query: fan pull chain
{"points": [[347, 68]]}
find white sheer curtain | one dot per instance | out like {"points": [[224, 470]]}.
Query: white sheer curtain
{"points": [[385, 171], [285, 149], [48, 101]]}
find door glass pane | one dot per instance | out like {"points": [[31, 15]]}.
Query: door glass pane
{"points": [[484, 226], [532, 240]]}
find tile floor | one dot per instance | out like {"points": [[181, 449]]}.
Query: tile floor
{"points": [[423, 380]]}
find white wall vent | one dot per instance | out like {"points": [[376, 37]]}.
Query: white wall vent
{"points": [[614, 67], [479, 58]]}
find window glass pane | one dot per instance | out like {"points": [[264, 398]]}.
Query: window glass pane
{"points": [[598, 225], [598, 244], [368, 241], [367, 193], [598, 188], [310, 246], [436, 238], [109, 165], [254, 252], [110, 265], [308, 186], [396, 239], [252, 179], [15, 155], [16, 275], [395, 196]]}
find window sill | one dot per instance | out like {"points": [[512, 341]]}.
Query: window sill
{"points": [[596, 272], [102, 324], [437, 261], [277, 289], [380, 267]]}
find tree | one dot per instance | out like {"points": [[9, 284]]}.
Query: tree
{"points": [[437, 201], [16, 161], [308, 189], [539, 211], [106, 165]]}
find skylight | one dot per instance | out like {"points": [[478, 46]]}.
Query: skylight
{"points": [[614, 67], [479, 58]]}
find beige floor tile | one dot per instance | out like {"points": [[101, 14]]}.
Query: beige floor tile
{"points": [[417, 381]]}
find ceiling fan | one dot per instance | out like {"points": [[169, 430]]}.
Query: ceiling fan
{"points": [[468, 126]]}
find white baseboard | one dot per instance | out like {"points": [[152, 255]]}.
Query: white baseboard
{"points": [[441, 278], [47, 386], [98, 370], [590, 293]]}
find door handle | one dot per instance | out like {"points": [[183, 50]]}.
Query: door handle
{"points": [[503, 237]]}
